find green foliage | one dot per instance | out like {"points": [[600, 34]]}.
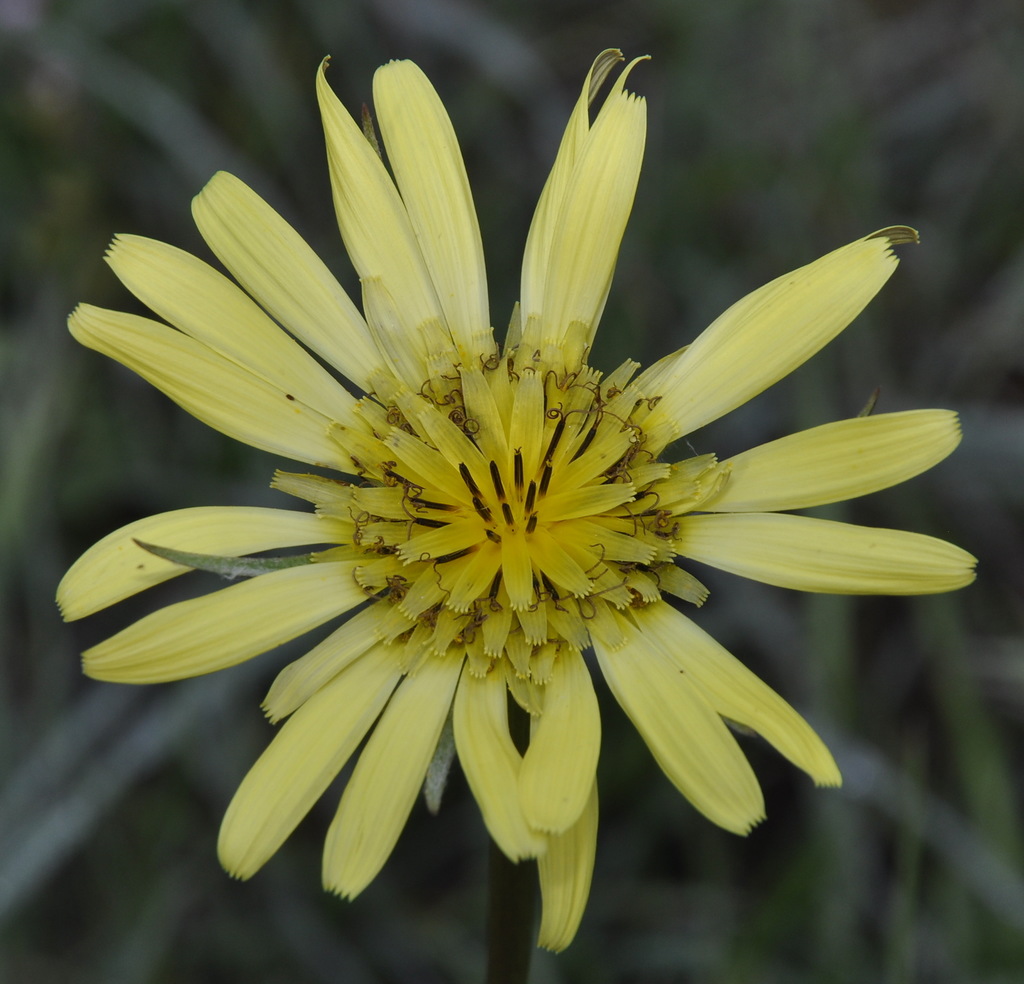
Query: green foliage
{"points": [[777, 131]]}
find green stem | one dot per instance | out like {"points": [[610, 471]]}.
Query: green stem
{"points": [[512, 894]]}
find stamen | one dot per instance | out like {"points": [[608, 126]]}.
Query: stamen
{"points": [[531, 523], [545, 479], [468, 479], [531, 496], [587, 441], [518, 471], [506, 511], [435, 523], [555, 438], [445, 558], [427, 504], [492, 536], [484, 511], [496, 479]]}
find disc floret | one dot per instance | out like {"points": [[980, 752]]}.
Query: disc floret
{"points": [[513, 509]]}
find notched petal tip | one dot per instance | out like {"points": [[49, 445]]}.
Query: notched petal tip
{"points": [[831, 781], [121, 242]]}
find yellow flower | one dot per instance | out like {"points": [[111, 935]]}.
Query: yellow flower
{"points": [[502, 508]]}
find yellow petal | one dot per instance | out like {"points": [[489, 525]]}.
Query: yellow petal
{"points": [[836, 461], [439, 542], [116, 567], [302, 761], [517, 570], [302, 678], [491, 762], [423, 465], [220, 393], [373, 220], [490, 434], [388, 777], [557, 563], [402, 350], [770, 332], [561, 761], [472, 576], [425, 157], [536, 259], [591, 500], [565, 870], [226, 627], [204, 304], [738, 694], [526, 425], [684, 733], [542, 228], [278, 268], [820, 555], [588, 229]]}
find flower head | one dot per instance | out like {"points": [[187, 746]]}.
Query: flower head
{"points": [[500, 508]]}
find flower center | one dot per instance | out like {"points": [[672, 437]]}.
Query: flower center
{"points": [[513, 509]]}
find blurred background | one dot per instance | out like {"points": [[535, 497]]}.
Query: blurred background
{"points": [[778, 131]]}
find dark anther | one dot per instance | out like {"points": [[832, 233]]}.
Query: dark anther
{"points": [[587, 441], [484, 511], [434, 523], [545, 479], [444, 558], [427, 504], [531, 496], [531, 523], [496, 479], [468, 479], [555, 438], [506, 511], [517, 467], [493, 536]]}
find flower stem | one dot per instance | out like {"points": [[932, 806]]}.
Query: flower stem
{"points": [[511, 895]]}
